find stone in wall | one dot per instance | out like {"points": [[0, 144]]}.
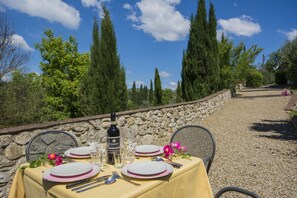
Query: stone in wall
{"points": [[13, 151], [23, 138], [5, 140]]}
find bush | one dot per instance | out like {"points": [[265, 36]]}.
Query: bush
{"points": [[280, 77], [254, 78]]}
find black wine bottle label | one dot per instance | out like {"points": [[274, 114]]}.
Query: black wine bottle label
{"points": [[113, 144]]}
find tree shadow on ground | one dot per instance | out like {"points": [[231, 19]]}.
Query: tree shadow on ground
{"points": [[259, 96], [280, 129]]}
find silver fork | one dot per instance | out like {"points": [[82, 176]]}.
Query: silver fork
{"points": [[120, 177]]}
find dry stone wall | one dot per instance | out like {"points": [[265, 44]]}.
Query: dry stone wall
{"points": [[148, 126]]}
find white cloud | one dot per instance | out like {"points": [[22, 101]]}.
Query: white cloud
{"points": [[290, 35], [242, 26], [235, 4], [51, 10], [173, 85], [6, 77], [164, 74], [20, 42], [160, 19], [139, 82], [96, 4]]}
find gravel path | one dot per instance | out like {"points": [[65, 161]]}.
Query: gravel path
{"points": [[256, 144]]}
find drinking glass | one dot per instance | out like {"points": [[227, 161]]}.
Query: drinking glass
{"points": [[118, 162], [103, 154]]}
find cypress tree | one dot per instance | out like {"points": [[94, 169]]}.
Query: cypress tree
{"points": [[196, 63], [134, 94], [178, 93], [213, 50], [91, 89], [151, 93], [114, 84], [158, 89], [145, 93]]}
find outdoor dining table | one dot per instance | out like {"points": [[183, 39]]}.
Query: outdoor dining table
{"points": [[190, 180]]}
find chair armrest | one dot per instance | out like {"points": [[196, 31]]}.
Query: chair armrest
{"points": [[236, 189]]}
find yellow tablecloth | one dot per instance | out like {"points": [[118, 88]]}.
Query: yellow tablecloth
{"points": [[189, 181]]}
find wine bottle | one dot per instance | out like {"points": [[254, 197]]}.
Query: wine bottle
{"points": [[113, 139]]}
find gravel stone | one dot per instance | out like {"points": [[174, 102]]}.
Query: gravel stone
{"points": [[256, 144]]}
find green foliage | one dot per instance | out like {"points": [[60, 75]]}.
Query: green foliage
{"points": [[254, 78], [134, 93], [289, 60], [151, 93], [104, 88], [214, 70], [280, 77], [63, 68], [21, 99], [200, 64], [158, 89], [178, 93], [227, 76], [168, 96]]}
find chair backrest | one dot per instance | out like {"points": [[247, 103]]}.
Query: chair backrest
{"points": [[49, 142], [199, 142]]}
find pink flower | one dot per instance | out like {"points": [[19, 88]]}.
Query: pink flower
{"points": [[167, 150], [182, 149], [175, 145], [59, 161], [51, 156]]}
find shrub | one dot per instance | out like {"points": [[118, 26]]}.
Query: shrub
{"points": [[280, 77], [254, 78]]}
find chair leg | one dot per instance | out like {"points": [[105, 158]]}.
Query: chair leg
{"points": [[236, 189]]}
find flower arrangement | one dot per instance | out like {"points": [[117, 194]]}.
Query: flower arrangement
{"points": [[52, 159], [175, 149], [285, 92]]}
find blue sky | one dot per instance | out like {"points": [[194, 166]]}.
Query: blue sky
{"points": [[150, 33]]}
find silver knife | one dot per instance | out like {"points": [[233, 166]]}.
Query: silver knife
{"points": [[87, 181]]}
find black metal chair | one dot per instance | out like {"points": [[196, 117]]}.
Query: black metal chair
{"points": [[199, 142], [49, 142], [236, 189]]}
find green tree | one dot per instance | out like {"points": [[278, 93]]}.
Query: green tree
{"points": [[196, 64], [289, 60], [21, 99], [178, 93], [151, 93], [214, 70], [104, 87], [158, 89], [110, 65], [62, 69], [134, 93], [92, 86], [227, 77], [168, 96]]}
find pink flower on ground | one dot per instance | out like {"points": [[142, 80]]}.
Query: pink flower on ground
{"points": [[59, 161], [175, 145], [51, 156]]}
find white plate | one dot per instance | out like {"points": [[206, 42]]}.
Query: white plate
{"points": [[150, 154], [47, 175], [146, 149], [85, 150], [168, 171], [68, 154], [147, 168], [71, 169]]}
